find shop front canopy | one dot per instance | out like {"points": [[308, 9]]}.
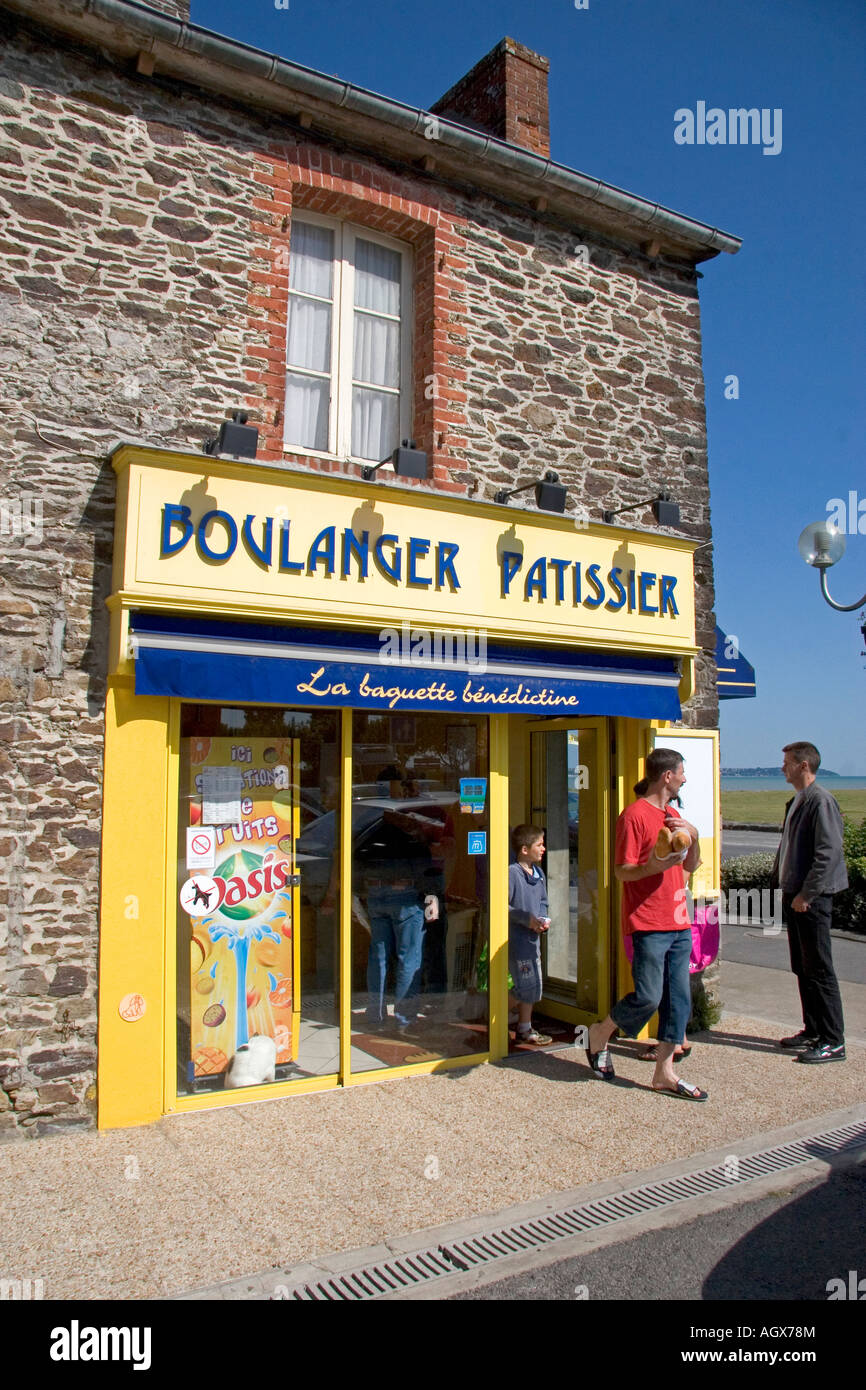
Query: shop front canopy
{"points": [[736, 675], [398, 669]]}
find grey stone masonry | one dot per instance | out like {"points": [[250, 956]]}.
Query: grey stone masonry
{"points": [[139, 226]]}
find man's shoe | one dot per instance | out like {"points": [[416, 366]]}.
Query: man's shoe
{"points": [[803, 1039], [823, 1052]]}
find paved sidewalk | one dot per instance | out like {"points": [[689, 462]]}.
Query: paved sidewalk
{"points": [[771, 995], [200, 1198]]}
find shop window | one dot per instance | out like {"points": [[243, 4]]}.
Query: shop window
{"points": [[348, 387], [419, 888], [258, 897]]}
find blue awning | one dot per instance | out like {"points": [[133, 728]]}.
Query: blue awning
{"points": [[736, 675], [258, 663]]}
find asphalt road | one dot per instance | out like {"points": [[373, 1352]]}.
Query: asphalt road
{"points": [[751, 946], [737, 842], [787, 1245]]}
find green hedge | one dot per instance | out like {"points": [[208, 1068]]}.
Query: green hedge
{"points": [[849, 908]]}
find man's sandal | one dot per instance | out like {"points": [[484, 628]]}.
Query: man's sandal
{"points": [[601, 1064], [683, 1091]]}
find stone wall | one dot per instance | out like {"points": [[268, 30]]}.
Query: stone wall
{"points": [[142, 296]]}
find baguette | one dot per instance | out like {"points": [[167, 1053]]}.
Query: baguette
{"points": [[663, 843]]}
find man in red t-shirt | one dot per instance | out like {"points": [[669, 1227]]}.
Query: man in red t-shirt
{"points": [[653, 914]]}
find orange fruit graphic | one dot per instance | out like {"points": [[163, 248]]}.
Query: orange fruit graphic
{"points": [[198, 749], [209, 1061], [281, 995]]}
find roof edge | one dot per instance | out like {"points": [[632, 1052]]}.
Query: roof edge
{"points": [[122, 26]]}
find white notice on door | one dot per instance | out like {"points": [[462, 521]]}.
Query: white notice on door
{"points": [[221, 791], [200, 847]]}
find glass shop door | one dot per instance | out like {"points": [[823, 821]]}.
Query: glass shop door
{"points": [[569, 781], [257, 898]]}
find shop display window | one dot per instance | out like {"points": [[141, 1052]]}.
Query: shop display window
{"points": [[420, 816]]}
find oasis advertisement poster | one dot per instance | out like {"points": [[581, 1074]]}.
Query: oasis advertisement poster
{"points": [[237, 894]]}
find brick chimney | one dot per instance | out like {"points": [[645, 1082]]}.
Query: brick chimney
{"points": [[505, 95], [177, 9]]}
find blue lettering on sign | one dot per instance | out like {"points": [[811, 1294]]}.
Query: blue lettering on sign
{"points": [[360, 549], [174, 514], [290, 566], [203, 544], [645, 582], [445, 553], [616, 585], [593, 579], [560, 566], [511, 563], [417, 550], [392, 568], [428, 564], [322, 549], [262, 554], [536, 580], [669, 583]]}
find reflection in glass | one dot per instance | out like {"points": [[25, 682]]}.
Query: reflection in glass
{"points": [[564, 770], [419, 896]]}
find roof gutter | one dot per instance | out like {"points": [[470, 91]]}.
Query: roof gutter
{"points": [[190, 53]]}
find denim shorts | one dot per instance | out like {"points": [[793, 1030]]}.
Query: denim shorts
{"points": [[661, 981], [524, 962]]}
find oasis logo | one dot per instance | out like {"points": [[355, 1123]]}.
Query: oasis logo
{"points": [[242, 887]]}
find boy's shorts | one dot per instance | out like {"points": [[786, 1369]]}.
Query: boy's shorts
{"points": [[524, 962]]}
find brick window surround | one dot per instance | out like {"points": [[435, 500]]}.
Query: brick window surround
{"points": [[354, 192]]}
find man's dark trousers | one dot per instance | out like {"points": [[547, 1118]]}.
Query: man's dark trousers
{"points": [[812, 963]]}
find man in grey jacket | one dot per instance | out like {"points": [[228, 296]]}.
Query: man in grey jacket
{"points": [[809, 869]]}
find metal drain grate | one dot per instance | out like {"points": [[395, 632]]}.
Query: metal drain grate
{"points": [[407, 1271]]}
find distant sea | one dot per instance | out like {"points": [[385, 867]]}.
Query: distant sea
{"points": [[773, 784]]}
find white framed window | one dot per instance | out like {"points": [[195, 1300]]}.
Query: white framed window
{"points": [[348, 359]]}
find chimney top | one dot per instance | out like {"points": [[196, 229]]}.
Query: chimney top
{"points": [[176, 9], [504, 94]]}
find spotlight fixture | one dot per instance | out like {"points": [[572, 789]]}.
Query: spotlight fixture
{"points": [[665, 510], [235, 437], [408, 462], [550, 495]]}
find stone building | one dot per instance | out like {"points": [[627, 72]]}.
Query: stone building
{"points": [[152, 174]]}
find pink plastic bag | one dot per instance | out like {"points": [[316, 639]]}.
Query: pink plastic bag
{"points": [[705, 939]]}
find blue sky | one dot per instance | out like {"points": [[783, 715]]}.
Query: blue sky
{"points": [[785, 315]]}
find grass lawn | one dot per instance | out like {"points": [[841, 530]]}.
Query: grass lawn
{"points": [[768, 807]]}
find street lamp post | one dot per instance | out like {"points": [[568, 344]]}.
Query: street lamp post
{"points": [[822, 545]]}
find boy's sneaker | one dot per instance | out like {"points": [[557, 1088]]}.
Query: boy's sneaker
{"points": [[532, 1035]]}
